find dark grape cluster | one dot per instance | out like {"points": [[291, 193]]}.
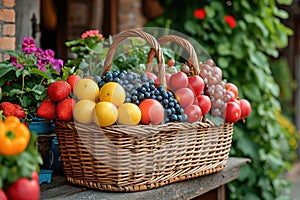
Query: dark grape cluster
{"points": [[140, 87]]}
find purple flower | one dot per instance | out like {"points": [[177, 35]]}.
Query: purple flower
{"points": [[39, 53], [28, 45], [41, 65], [57, 64], [49, 54], [14, 61]]}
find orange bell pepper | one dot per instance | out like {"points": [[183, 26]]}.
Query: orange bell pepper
{"points": [[14, 136]]}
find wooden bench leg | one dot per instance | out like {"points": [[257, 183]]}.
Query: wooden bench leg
{"points": [[216, 194]]}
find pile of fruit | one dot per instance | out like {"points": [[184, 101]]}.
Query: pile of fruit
{"points": [[126, 98]]}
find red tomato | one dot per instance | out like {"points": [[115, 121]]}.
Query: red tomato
{"points": [[24, 189], [193, 112], [204, 103], [245, 108], [233, 112], [3, 195], [196, 83]]}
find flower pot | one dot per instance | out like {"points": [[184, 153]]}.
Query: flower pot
{"points": [[41, 126]]}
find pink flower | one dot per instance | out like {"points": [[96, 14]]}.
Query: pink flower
{"points": [[91, 33], [230, 21], [200, 13], [28, 45]]}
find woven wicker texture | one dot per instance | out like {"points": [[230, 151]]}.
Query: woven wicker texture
{"points": [[142, 157]]}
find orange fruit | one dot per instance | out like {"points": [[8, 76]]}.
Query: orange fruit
{"points": [[105, 114], [152, 112], [86, 89], [83, 111], [112, 92], [129, 114]]}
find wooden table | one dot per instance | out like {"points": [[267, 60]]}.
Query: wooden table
{"points": [[205, 187]]}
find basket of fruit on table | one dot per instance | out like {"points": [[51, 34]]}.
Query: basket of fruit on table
{"points": [[133, 132]]}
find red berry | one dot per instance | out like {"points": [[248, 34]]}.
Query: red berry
{"points": [[47, 110], [72, 79], [59, 90], [64, 109]]}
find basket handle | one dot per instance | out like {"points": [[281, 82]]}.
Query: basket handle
{"points": [[193, 60], [155, 51]]}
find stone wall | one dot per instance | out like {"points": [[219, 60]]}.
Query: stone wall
{"points": [[7, 26]]}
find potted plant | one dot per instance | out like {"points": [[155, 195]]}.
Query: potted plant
{"points": [[24, 77]]}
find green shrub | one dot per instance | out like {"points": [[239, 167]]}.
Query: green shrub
{"points": [[243, 47]]}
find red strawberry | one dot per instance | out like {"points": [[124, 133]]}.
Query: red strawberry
{"points": [[72, 79], [19, 112], [59, 90], [8, 109], [64, 109], [47, 110]]}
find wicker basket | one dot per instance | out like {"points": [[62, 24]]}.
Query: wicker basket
{"points": [[142, 157]]}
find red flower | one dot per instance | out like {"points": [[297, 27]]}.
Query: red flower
{"points": [[200, 13], [230, 21]]}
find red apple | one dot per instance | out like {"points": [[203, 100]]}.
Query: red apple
{"points": [[232, 87], [233, 112], [193, 112], [24, 189], [196, 83], [151, 75], [3, 195], [157, 81], [245, 108], [152, 111], [204, 103], [178, 80], [185, 97]]}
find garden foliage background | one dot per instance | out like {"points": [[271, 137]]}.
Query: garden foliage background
{"points": [[243, 37]]}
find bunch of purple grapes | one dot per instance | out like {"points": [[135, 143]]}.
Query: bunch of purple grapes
{"points": [[214, 87]]}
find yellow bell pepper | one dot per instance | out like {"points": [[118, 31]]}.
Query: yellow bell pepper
{"points": [[14, 136]]}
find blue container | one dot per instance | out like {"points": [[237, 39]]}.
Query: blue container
{"points": [[41, 126], [56, 163], [45, 176]]}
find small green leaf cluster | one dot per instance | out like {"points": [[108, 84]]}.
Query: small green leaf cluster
{"points": [[244, 52]]}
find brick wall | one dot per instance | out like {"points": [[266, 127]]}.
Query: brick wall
{"points": [[7, 26], [130, 14]]}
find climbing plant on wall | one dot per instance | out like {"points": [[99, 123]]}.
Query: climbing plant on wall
{"points": [[242, 37]]}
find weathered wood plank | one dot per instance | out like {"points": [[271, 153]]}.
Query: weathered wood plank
{"points": [[187, 189]]}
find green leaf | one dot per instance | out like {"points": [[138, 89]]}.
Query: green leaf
{"points": [[262, 27], [4, 70], [210, 11], [247, 146], [191, 27], [285, 2], [38, 72], [252, 92], [224, 49], [257, 58], [223, 62]]}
